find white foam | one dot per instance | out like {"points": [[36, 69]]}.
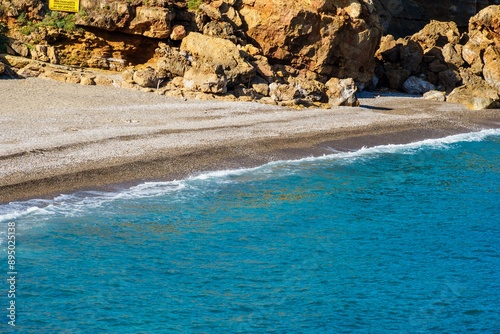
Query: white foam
{"points": [[79, 202], [438, 143]]}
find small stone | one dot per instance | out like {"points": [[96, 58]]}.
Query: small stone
{"points": [[178, 33], [87, 81], [211, 11], [103, 81], [435, 95], [128, 76]]}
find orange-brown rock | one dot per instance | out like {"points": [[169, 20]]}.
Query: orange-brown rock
{"points": [[332, 38]]}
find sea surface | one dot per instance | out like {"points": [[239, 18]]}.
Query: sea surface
{"points": [[388, 239]]}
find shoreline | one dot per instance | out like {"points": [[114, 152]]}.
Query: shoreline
{"points": [[68, 137]]}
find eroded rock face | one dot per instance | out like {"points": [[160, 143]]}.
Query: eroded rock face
{"points": [[214, 52], [331, 38], [128, 16], [438, 56]]}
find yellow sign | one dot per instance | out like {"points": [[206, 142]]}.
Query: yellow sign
{"points": [[65, 5]]}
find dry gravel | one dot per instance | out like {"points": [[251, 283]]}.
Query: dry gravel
{"points": [[58, 137]]}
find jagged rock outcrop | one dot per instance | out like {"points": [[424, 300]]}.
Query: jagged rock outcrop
{"points": [[331, 38], [464, 65], [404, 17]]}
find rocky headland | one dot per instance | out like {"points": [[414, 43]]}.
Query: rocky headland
{"points": [[300, 53]]}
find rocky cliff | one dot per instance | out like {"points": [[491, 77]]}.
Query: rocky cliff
{"points": [[311, 51]]}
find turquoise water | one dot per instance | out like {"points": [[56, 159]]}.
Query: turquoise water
{"points": [[391, 239]]}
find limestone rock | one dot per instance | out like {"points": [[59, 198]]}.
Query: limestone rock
{"points": [[452, 55], [15, 61], [52, 55], [484, 27], [435, 95], [217, 52], [484, 30], [232, 16], [125, 16], [283, 92], [40, 53], [469, 77], [342, 92], [87, 81], [388, 50], [261, 65], [178, 33], [491, 69], [475, 97], [416, 85], [211, 11], [102, 80], [471, 53], [437, 34], [20, 48], [331, 38], [151, 22], [128, 76], [31, 70], [260, 86], [57, 75], [310, 90], [219, 29], [146, 78], [206, 80]]}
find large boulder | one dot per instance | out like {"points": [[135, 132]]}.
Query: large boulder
{"points": [[342, 92], [205, 79], [215, 52], [332, 38], [491, 69], [484, 30], [417, 86], [475, 97]]}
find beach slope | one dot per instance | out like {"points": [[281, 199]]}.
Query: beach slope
{"points": [[57, 137]]}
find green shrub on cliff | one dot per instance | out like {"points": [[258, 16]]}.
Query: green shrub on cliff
{"points": [[52, 19], [194, 4]]}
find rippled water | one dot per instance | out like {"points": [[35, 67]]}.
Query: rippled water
{"points": [[401, 239]]}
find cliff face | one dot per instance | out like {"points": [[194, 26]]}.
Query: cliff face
{"points": [[279, 49], [324, 37], [405, 17], [331, 38]]}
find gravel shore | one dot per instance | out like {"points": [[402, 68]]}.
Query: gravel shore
{"points": [[58, 137]]}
